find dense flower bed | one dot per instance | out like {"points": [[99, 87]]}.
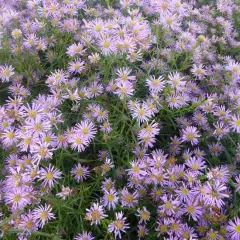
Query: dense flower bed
{"points": [[120, 119]]}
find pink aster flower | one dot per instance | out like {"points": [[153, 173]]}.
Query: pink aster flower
{"points": [[215, 194], [192, 209], [124, 89], [80, 173], [119, 225], [84, 236], [17, 198], [95, 214], [86, 130], [144, 215], [196, 164], [154, 84], [66, 191], [190, 134], [77, 142], [233, 229], [6, 72], [235, 123], [110, 199], [43, 214], [198, 71], [124, 75], [49, 175], [128, 199], [77, 66]]}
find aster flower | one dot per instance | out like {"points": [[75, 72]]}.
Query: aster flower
{"points": [[137, 169], [95, 214], [190, 134], [84, 236], [198, 71], [169, 205], [154, 84], [49, 175], [141, 113], [124, 75], [80, 173], [142, 231], [77, 142], [233, 229], [124, 89], [215, 193], [119, 225], [28, 222], [66, 191], [196, 164], [77, 66], [110, 199], [127, 198], [17, 198], [43, 214], [6, 72], [144, 215], [192, 209], [235, 123], [86, 130], [107, 166]]}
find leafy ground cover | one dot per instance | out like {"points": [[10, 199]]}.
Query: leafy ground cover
{"points": [[120, 119]]}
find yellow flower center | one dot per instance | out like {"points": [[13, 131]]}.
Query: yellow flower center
{"points": [[17, 198], [49, 176], [43, 215], [237, 229], [110, 197]]}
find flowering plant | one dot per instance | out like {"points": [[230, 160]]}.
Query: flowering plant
{"points": [[120, 119]]}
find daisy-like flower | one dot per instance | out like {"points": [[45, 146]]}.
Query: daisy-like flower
{"points": [[154, 84], [110, 199], [119, 225], [142, 231], [75, 49], [128, 199], [237, 184], [80, 173], [141, 113], [190, 134], [66, 191], [86, 130], [124, 89], [43, 214], [49, 175], [17, 198], [124, 75], [192, 209], [235, 123], [6, 72], [77, 66], [40, 150], [144, 215], [198, 71], [77, 142], [233, 229], [84, 236], [95, 214], [28, 222], [137, 169], [169, 206], [196, 164], [107, 166], [215, 193], [176, 81]]}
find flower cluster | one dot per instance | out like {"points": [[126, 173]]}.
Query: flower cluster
{"points": [[120, 118]]}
